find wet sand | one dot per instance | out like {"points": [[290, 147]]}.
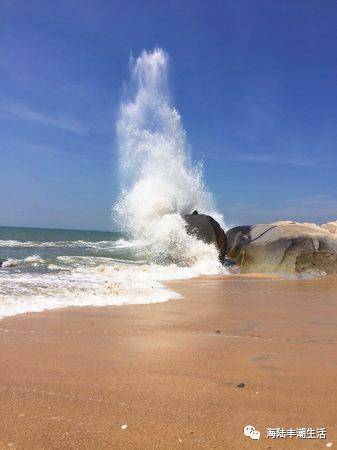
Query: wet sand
{"points": [[69, 379]]}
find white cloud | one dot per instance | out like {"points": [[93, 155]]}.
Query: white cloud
{"points": [[271, 158], [276, 159], [24, 112]]}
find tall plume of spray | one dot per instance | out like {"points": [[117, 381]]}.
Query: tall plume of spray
{"points": [[160, 183]]}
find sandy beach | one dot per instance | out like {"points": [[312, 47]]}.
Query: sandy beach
{"points": [[71, 378]]}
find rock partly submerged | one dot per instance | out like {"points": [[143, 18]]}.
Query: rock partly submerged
{"points": [[208, 230], [283, 247]]}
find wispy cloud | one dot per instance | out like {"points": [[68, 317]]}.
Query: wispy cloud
{"points": [[265, 134], [271, 158], [317, 205], [319, 208], [24, 112], [32, 147], [94, 154]]}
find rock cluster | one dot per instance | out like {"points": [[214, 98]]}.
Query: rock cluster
{"points": [[283, 247]]}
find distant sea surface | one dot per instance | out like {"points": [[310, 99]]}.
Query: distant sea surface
{"points": [[19, 243]]}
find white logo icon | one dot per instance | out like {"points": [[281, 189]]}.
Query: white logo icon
{"points": [[249, 431]]}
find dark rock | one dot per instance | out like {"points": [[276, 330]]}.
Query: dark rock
{"points": [[208, 230], [283, 247], [228, 262], [217, 331], [241, 385], [237, 239]]}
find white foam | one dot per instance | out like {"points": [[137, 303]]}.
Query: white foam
{"points": [[54, 267], [91, 281], [90, 284], [99, 245], [9, 243], [160, 183], [34, 260], [11, 262]]}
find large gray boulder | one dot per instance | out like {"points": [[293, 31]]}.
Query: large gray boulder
{"points": [[283, 247], [208, 230]]}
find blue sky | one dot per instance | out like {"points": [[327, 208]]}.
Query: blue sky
{"points": [[255, 82]]}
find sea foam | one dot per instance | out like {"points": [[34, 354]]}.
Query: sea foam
{"points": [[160, 183], [12, 262]]}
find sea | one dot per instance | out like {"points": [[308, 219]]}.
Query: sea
{"points": [[53, 268], [159, 183]]}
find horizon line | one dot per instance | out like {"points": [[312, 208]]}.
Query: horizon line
{"points": [[55, 228]]}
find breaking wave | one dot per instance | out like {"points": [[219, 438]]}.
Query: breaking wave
{"points": [[99, 245], [88, 281], [160, 183], [12, 262]]}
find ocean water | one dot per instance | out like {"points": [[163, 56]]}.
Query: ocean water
{"points": [[50, 268], [46, 269]]}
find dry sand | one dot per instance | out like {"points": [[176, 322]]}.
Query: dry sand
{"points": [[69, 379]]}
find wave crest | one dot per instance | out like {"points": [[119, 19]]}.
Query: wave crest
{"points": [[161, 185], [34, 260]]}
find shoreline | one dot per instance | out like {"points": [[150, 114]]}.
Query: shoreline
{"points": [[71, 378]]}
